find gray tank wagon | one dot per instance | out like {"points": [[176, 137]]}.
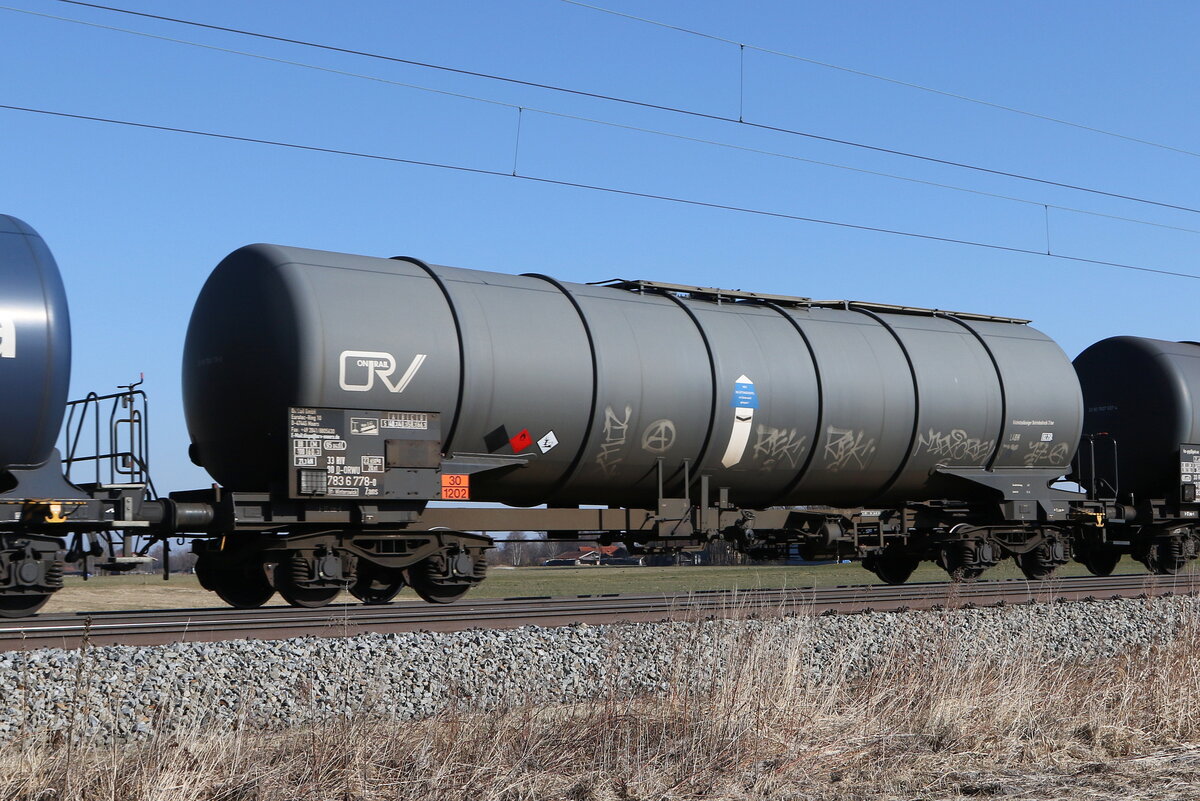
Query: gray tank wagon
{"points": [[719, 414], [337, 399], [782, 401]]}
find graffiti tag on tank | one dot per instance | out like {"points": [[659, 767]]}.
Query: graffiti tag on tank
{"points": [[1053, 454], [847, 449], [659, 436], [778, 447], [616, 432], [956, 446]]}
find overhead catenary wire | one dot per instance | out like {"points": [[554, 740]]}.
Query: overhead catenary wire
{"points": [[642, 104], [600, 188], [743, 46], [520, 109]]}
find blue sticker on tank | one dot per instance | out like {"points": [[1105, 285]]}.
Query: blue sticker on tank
{"points": [[744, 396]]}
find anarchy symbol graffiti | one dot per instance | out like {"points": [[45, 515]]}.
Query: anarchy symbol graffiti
{"points": [[659, 436]]}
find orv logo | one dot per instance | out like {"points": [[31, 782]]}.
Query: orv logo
{"points": [[8, 338], [358, 369]]}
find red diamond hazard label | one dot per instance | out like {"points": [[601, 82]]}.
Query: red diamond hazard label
{"points": [[521, 441]]}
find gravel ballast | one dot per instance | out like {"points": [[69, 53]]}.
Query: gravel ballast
{"points": [[117, 692]]}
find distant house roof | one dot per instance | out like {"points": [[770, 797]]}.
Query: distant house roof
{"points": [[593, 552]]}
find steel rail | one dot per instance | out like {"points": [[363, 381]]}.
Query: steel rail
{"points": [[155, 627]]}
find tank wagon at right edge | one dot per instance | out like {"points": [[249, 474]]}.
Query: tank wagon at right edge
{"points": [[351, 409], [1140, 456]]}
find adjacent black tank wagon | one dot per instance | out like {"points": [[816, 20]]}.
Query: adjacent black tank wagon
{"points": [[334, 398], [1142, 448]]}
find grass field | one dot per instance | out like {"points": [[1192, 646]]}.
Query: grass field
{"points": [[106, 593]]}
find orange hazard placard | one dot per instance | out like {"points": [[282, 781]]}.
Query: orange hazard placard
{"points": [[456, 487]]}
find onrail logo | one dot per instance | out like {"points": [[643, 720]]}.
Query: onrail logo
{"points": [[358, 370], [8, 338]]}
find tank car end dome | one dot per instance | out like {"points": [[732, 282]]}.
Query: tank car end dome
{"points": [[1145, 394], [35, 347]]}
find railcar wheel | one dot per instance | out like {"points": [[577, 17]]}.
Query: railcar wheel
{"points": [[435, 590], [1166, 556], [21, 605], [308, 597], [1101, 562], [893, 567], [960, 560], [1164, 567], [1035, 566], [429, 580], [240, 586], [240, 593], [1044, 560], [289, 576], [376, 585]]}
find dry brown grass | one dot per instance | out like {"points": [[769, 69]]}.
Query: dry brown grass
{"points": [[1014, 726]]}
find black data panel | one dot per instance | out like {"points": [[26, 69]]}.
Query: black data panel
{"points": [[1189, 472], [368, 455]]}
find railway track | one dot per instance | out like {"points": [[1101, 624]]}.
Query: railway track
{"points": [[156, 627]]}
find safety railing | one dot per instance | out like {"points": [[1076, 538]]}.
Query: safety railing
{"points": [[106, 439]]}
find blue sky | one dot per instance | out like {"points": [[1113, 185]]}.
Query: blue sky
{"points": [[137, 218]]}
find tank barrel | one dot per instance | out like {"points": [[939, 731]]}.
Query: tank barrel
{"points": [[782, 400]]}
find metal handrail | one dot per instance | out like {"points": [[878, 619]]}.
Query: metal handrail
{"points": [[1096, 484], [124, 447]]}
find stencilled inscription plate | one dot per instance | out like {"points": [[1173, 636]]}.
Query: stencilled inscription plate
{"points": [[344, 453]]}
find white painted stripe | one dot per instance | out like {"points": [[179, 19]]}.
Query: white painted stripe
{"points": [[743, 420], [739, 437]]}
